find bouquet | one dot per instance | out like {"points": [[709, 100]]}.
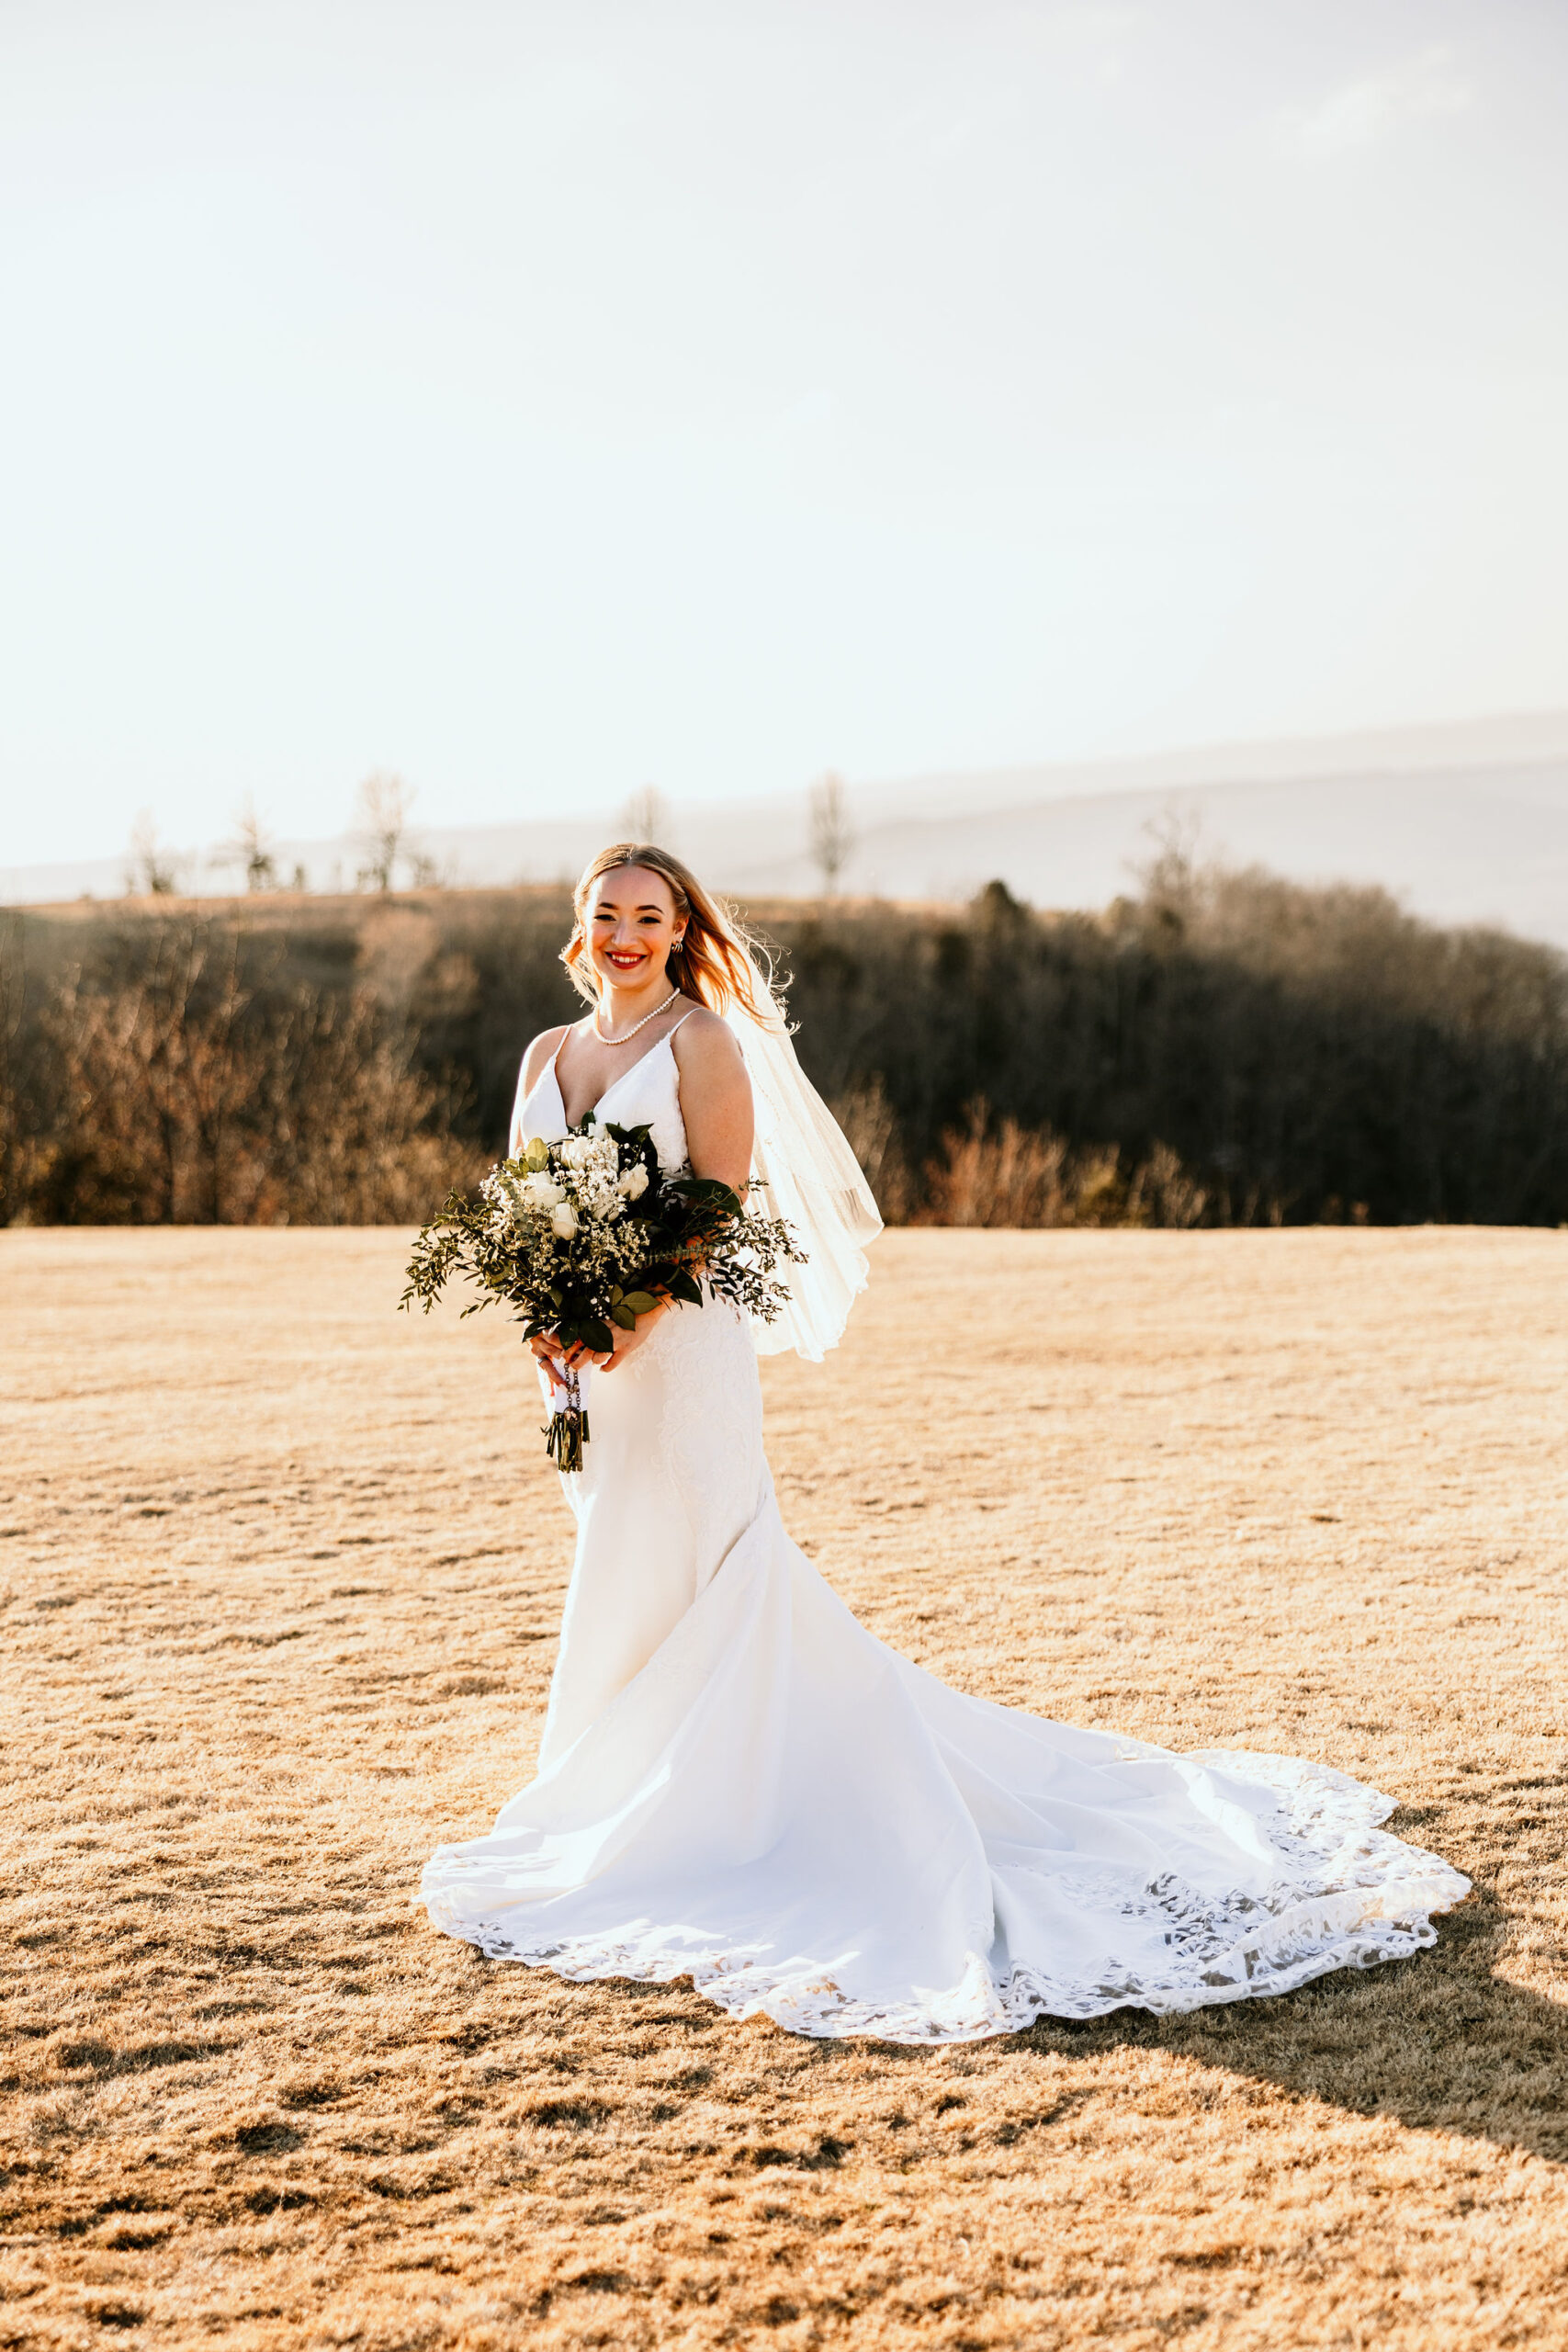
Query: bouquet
{"points": [[588, 1233]]}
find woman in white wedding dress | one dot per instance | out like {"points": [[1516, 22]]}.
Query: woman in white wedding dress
{"points": [[736, 1782]]}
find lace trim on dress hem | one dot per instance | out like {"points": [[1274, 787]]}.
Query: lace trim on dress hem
{"points": [[1346, 1895], [819, 2008]]}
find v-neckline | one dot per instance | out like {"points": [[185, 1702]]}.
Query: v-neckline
{"points": [[595, 1106]]}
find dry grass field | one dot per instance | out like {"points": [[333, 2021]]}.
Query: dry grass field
{"points": [[281, 1573]]}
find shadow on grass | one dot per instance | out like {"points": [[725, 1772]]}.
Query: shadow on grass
{"points": [[1438, 2042]]}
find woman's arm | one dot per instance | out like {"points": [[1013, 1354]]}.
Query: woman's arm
{"points": [[541, 1053], [715, 1100], [535, 1061]]}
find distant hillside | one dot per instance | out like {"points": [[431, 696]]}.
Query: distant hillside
{"points": [[1466, 822], [1457, 845]]}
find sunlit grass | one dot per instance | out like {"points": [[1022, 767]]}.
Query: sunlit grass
{"points": [[283, 1571]]}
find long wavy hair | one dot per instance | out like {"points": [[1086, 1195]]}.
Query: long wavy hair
{"points": [[714, 963]]}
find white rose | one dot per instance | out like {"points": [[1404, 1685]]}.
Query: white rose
{"points": [[633, 1184], [542, 1191], [563, 1221]]}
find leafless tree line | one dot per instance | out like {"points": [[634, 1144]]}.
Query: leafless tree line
{"points": [[381, 836], [1224, 1046], [387, 850], [181, 1093], [1218, 1048]]}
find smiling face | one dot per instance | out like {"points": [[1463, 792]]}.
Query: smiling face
{"points": [[631, 924]]}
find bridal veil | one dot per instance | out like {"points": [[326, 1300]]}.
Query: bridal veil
{"points": [[802, 1163]]}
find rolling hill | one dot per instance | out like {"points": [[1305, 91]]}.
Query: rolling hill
{"points": [[1466, 822]]}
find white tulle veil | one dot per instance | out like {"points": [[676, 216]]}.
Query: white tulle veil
{"points": [[805, 1173]]}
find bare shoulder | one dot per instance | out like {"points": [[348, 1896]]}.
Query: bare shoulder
{"points": [[715, 1097], [711, 1067], [702, 1041], [543, 1050]]}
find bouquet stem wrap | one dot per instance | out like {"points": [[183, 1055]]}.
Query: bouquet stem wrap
{"points": [[566, 1432]]}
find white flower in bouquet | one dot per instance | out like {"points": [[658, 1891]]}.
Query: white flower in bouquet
{"points": [[633, 1184], [563, 1220], [542, 1192], [505, 1196]]}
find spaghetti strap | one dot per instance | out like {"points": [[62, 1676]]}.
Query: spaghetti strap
{"points": [[681, 1023], [560, 1049]]}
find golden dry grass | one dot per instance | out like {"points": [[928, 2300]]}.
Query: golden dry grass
{"points": [[283, 1572]]}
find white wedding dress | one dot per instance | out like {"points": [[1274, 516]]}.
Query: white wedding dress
{"points": [[739, 1783]]}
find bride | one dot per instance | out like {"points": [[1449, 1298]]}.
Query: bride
{"points": [[736, 1782]]}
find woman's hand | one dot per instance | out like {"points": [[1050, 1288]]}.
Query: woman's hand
{"points": [[547, 1348], [625, 1343], [559, 1360]]}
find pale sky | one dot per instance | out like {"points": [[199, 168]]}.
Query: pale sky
{"points": [[544, 401]]}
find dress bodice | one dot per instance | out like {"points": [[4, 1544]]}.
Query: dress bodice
{"points": [[647, 1094]]}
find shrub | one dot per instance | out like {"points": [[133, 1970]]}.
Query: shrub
{"points": [[181, 1096]]}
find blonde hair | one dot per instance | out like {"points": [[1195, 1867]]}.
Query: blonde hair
{"points": [[713, 962]]}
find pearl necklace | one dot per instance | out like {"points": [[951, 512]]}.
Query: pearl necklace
{"points": [[631, 1032]]}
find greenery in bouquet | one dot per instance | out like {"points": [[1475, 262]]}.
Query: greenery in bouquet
{"points": [[578, 1236]]}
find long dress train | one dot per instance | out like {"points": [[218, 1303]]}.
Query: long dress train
{"points": [[739, 1783]]}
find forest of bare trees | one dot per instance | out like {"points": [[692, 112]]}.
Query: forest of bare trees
{"points": [[1223, 1048]]}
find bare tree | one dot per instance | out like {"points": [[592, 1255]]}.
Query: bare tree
{"points": [[381, 827], [151, 872], [185, 1095], [1173, 871], [832, 835], [645, 816], [249, 848]]}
